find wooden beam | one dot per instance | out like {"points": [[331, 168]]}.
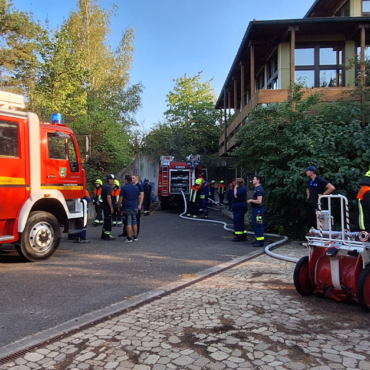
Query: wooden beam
{"points": [[253, 82], [242, 86], [235, 97]]}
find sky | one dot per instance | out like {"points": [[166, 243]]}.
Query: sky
{"points": [[175, 37]]}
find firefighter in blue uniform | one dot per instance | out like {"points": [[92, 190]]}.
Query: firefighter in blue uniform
{"points": [[239, 209], [193, 204], [258, 211]]}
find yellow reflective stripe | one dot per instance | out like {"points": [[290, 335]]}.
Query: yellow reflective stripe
{"points": [[361, 216], [239, 233], [54, 187], [4, 180], [261, 238]]}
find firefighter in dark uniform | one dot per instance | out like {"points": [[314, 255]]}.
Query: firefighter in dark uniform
{"points": [[147, 197], [204, 194], [97, 201], [108, 210], [221, 191], [212, 190], [193, 204], [239, 209], [363, 198], [116, 191], [258, 211]]}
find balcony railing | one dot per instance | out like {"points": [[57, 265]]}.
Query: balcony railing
{"points": [[278, 96]]}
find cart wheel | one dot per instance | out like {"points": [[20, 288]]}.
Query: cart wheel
{"points": [[363, 289], [301, 279]]}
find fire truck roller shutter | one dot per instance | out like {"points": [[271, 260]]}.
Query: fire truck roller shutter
{"points": [[40, 238]]}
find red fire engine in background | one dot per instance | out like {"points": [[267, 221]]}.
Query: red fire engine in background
{"points": [[41, 180], [177, 177]]}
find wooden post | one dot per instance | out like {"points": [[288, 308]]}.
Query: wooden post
{"points": [[253, 84], [292, 63], [363, 70], [242, 86], [235, 97]]}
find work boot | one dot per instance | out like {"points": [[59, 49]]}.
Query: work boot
{"points": [[238, 238], [108, 237], [257, 245]]}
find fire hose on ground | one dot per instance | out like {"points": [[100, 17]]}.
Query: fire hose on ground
{"points": [[267, 248]]}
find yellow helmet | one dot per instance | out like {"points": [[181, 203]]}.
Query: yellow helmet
{"points": [[199, 181], [98, 182], [116, 182], [222, 182]]}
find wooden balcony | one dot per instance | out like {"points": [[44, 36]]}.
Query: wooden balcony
{"points": [[328, 94]]}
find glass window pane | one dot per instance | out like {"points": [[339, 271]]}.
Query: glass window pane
{"points": [[57, 147], [366, 6], [305, 57], [330, 78], [9, 146], [329, 56], [307, 78]]}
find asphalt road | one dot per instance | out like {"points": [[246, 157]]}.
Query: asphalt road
{"points": [[81, 278]]}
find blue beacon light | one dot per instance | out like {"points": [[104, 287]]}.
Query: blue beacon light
{"points": [[56, 118]]}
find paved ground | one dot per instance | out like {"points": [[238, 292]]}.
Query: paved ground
{"points": [[246, 317]]}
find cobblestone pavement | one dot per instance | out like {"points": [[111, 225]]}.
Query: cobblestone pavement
{"points": [[247, 317]]}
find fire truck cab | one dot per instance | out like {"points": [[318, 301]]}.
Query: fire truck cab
{"points": [[177, 177], [41, 181]]}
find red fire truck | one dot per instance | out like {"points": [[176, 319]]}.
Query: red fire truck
{"points": [[177, 177], [41, 180]]}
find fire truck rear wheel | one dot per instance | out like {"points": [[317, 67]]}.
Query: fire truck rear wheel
{"points": [[41, 236], [363, 289], [301, 277]]}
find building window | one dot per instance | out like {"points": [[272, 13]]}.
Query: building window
{"points": [[260, 80], [344, 10], [320, 65], [366, 7], [272, 73], [9, 145]]}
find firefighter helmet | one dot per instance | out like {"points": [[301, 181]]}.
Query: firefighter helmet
{"points": [[222, 182], [213, 181], [116, 182], [98, 182], [199, 181]]}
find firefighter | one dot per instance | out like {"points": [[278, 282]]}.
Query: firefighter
{"points": [[212, 190], [116, 217], [258, 211], [106, 195], [204, 194], [364, 203], [147, 197], [193, 204], [239, 208], [230, 195], [221, 191], [98, 203]]}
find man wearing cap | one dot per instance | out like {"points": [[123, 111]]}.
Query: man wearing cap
{"points": [[106, 195], [316, 186]]}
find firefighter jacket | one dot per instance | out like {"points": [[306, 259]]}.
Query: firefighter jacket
{"points": [[115, 197], [97, 196], [221, 189], [363, 197], [204, 191], [194, 194]]}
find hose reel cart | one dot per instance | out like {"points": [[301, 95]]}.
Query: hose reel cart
{"points": [[338, 264]]}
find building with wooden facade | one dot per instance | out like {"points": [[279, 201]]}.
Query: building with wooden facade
{"points": [[316, 49]]}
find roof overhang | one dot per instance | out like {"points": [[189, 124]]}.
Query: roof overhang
{"points": [[324, 8]]}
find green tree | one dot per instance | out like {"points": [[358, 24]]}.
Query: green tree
{"points": [[280, 143], [19, 49], [191, 123]]}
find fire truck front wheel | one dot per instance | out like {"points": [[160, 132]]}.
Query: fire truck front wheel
{"points": [[363, 289], [41, 236]]}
